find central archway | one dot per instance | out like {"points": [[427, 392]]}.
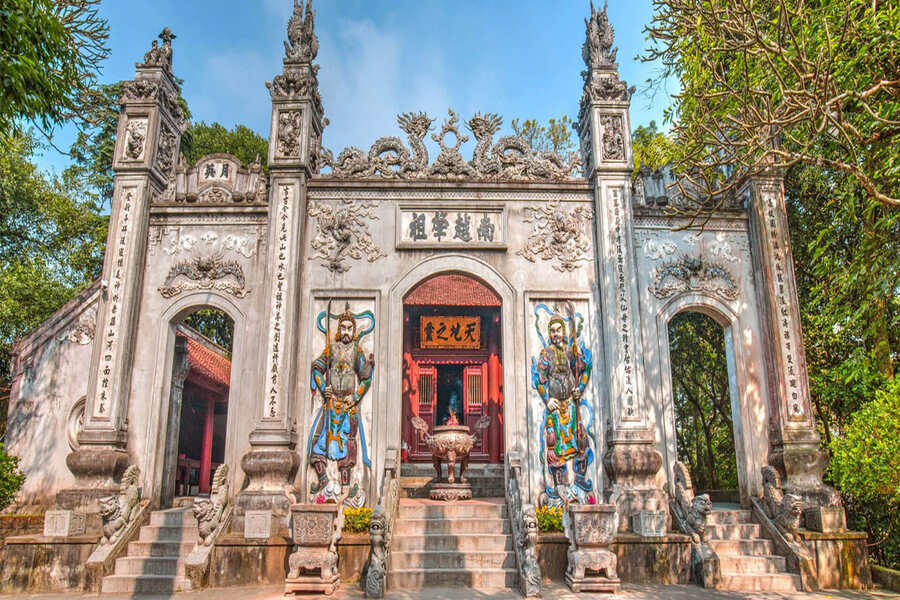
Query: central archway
{"points": [[452, 362]]}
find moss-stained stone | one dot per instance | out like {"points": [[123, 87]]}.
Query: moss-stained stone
{"points": [[841, 559], [38, 564]]}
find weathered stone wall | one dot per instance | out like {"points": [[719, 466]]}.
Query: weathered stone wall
{"points": [[48, 382]]}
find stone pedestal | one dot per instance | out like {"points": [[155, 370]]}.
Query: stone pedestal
{"points": [[590, 529], [63, 523], [450, 492], [315, 532], [631, 461], [270, 472], [647, 523], [825, 519]]}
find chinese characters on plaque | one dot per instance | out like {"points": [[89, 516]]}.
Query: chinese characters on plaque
{"points": [[449, 226], [450, 332]]}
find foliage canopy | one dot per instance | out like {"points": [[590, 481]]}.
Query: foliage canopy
{"points": [[779, 83]]}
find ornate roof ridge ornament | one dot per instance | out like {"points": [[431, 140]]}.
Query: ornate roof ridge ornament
{"points": [[601, 78], [511, 158], [299, 76], [158, 56]]}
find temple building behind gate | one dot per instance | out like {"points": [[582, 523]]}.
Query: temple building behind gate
{"points": [[501, 317]]}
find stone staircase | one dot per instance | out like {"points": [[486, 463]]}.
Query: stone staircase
{"points": [[487, 480], [465, 544], [748, 561], [155, 562]]}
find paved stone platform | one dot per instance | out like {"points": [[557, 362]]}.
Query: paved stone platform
{"points": [[556, 591]]}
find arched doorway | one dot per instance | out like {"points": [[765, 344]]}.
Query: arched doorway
{"points": [[452, 362], [704, 394], [198, 403]]}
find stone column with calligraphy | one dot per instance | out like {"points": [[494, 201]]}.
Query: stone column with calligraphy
{"points": [[147, 142], [631, 459], [793, 436], [294, 143]]}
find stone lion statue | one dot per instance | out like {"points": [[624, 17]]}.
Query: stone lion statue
{"points": [[690, 513], [209, 513], [377, 567], [701, 506], [785, 510], [117, 511]]}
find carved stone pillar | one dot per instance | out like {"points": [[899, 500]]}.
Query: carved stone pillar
{"points": [[793, 436], [631, 459], [297, 122], [147, 141]]}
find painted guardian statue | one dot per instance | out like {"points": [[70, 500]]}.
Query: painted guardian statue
{"points": [[560, 375], [341, 375]]}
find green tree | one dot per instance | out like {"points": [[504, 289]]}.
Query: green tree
{"points": [[779, 83], [700, 390], [11, 479], [215, 325], [556, 136], [51, 243], [50, 54], [240, 141], [864, 464], [651, 148]]}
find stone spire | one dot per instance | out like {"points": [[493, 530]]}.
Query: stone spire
{"points": [[297, 133]]}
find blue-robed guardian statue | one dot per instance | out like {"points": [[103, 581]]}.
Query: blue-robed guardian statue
{"points": [[341, 375]]}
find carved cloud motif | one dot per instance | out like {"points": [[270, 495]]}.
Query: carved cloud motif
{"points": [[693, 274]]}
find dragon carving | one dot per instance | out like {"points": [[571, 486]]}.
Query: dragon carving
{"points": [[387, 157]]}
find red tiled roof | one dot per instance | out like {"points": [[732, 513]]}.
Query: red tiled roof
{"points": [[452, 289], [207, 363]]}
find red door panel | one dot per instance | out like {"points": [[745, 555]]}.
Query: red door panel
{"points": [[474, 396]]}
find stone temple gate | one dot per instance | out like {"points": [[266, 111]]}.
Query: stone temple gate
{"points": [[382, 298]]}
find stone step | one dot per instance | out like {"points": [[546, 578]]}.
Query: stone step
{"points": [[173, 517], [153, 533], [771, 582], [743, 531], [757, 547], [729, 517], [468, 509], [482, 487], [452, 526], [481, 578], [443, 542], [150, 565], [746, 564], [144, 584], [171, 549], [448, 559]]}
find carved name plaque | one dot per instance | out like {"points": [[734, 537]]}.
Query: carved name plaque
{"points": [[257, 524], [63, 523], [449, 332], [445, 227]]}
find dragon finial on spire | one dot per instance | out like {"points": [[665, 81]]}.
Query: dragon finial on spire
{"points": [[302, 44], [598, 51]]}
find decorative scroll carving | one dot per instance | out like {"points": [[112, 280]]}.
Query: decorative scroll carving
{"points": [[205, 273], [558, 234], [613, 137], [215, 195], [693, 274], [139, 89], [160, 56], [523, 521], [381, 528], [290, 126], [165, 155], [209, 512], [450, 162], [689, 512], [82, 332], [343, 233], [511, 158], [135, 138], [117, 511]]}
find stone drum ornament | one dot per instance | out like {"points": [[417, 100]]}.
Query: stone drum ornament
{"points": [[449, 443]]}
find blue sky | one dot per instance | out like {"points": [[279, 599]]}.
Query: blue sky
{"points": [[379, 58]]}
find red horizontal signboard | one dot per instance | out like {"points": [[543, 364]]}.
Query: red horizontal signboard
{"points": [[450, 332]]}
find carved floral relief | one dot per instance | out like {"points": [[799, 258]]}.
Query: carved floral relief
{"points": [[558, 235], [135, 139]]}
